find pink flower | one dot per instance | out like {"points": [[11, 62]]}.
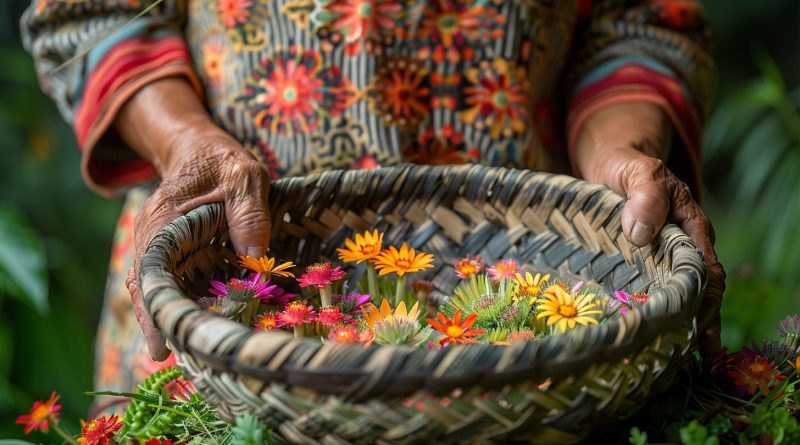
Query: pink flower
{"points": [[503, 269], [468, 266], [347, 334], [321, 275], [350, 302], [296, 313], [243, 290], [330, 316]]}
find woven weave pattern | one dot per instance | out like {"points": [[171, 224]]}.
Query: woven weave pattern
{"points": [[549, 390]]}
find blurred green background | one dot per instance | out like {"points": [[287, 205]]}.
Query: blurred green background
{"points": [[55, 236]]}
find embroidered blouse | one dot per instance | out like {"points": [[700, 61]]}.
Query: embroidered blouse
{"points": [[309, 85]]}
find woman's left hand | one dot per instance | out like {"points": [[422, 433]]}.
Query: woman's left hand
{"points": [[621, 146]]}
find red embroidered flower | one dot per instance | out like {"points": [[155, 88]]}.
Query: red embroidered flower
{"points": [[365, 24], [400, 93], [234, 12], [497, 98]]}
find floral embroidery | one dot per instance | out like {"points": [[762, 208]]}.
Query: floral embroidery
{"points": [[400, 94], [365, 24], [214, 62], [292, 91], [496, 98], [443, 147], [244, 20], [299, 11], [234, 12], [451, 29]]}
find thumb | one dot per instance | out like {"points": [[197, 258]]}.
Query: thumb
{"points": [[648, 201]]}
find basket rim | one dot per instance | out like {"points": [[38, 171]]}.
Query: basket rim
{"points": [[621, 337]]}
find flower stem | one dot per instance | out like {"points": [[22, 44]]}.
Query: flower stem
{"points": [[62, 433], [250, 309], [326, 296], [298, 330], [372, 281], [399, 294]]}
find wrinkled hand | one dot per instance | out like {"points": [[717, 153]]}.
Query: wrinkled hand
{"points": [[620, 147], [167, 125]]}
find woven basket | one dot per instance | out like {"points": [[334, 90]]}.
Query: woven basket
{"points": [[554, 390]]}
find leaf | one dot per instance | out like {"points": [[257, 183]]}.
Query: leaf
{"points": [[22, 261]]}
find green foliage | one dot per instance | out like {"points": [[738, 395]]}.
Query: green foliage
{"points": [[22, 261], [637, 437], [696, 434], [775, 423], [249, 431]]}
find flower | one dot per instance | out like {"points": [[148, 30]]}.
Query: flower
{"points": [[503, 270], [157, 441], [402, 261], [267, 265], [468, 266], [243, 291], [457, 332], [330, 316], [565, 309], [521, 336], [100, 430], [266, 321], [41, 414], [789, 326], [321, 275], [180, 389], [234, 12], [364, 24], [400, 93], [296, 313], [350, 302], [372, 315], [365, 247], [399, 331], [497, 98], [751, 372], [531, 285], [214, 62], [346, 333]]}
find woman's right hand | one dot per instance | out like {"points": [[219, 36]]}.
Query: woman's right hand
{"points": [[198, 164]]}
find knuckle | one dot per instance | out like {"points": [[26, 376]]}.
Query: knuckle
{"points": [[652, 168]]}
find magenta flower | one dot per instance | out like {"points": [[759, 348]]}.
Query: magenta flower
{"points": [[350, 302], [321, 275], [243, 290]]}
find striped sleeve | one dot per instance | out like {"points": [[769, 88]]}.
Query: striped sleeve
{"points": [[653, 51], [110, 58]]}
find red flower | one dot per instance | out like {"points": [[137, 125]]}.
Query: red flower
{"points": [[400, 93], [468, 266], [296, 313], [347, 334], [234, 12], [321, 275], [100, 430], [752, 373], [330, 316], [41, 414], [456, 330]]}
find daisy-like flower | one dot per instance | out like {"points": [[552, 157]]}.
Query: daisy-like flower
{"points": [[457, 331], [350, 302], [566, 310], [296, 313], [752, 373], [402, 261], [399, 331], [531, 285], [100, 430], [372, 315], [266, 265], [503, 270], [243, 290], [365, 247], [789, 326], [41, 415], [468, 266], [346, 333], [321, 275], [330, 316], [266, 321]]}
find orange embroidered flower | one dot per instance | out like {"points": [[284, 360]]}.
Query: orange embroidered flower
{"points": [[234, 12], [456, 330], [40, 415], [365, 247], [402, 261], [100, 430], [267, 266]]}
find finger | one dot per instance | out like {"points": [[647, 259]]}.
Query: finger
{"points": [[246, 210], [156, 343], [648, 203]]}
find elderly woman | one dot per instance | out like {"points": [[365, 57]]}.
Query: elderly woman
{"points": [[216, 98]]}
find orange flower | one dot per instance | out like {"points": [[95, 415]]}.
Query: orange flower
{"points": [[456, 330], [266, 321], [365, 247], [468, 266], [100, 430], [402, 261], [40, 415], [372, 315], [267, 266], [347, 334]]}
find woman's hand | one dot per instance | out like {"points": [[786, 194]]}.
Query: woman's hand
{"points": [[621, 146], [198, 164]]}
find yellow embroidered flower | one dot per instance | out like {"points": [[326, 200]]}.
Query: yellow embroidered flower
{"points": [[365, 247], [565, 309], [531, 285], [266, 265], [402, 261], [372, 315]]}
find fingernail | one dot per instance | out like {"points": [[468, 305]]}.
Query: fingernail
{"points": [[641, 233], [255, 251]]}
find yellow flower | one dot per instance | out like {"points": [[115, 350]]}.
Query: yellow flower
{"points": [[565, 309], [372, 315], [365, 247], [531, 285], [266, 265], [402, 261]]}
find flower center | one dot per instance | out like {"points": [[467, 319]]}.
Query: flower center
{"points": [[758, 367], [454, 331], [531, 290], [500, 99], [290, 95], [447, 22], [40, 413], [365, 9], [403, 263], [567, 311], [368, 249]]}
